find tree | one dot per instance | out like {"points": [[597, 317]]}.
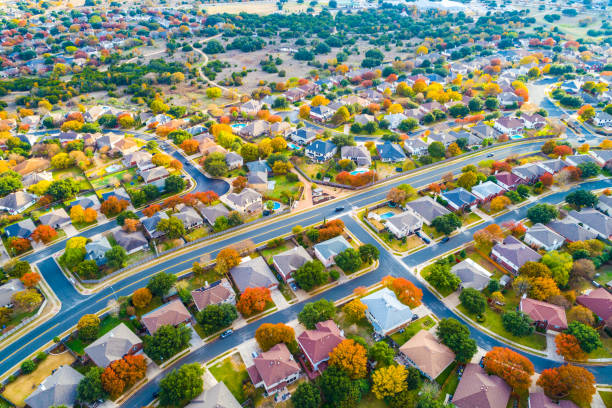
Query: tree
{"points": [[215, 164], [542, 213], [348, 260], [446, 223], [90, 387], [406, 291], [216, 317], [182, 385], [166, 342], [172, 227], [571, 381], [161, 283], [511, 366], [253, 300], [116, 257], [268, 335], [113, 206], [174, 183], [354, 310], [239, 184], [306, 395], [589, 169], [568, 347], [499, 203], [542, 288], [141, 297], [125, 215], [441, 277], [581, 198], [534, 269], [473, 301], [30, 279], [436, 149], [315, 312], [62, 161], [413, 378], [457, 337], [587, 337], [388, 381], [213, 92], [311, 275], [338, 389], [581, 314], [227, 258], [368, 253], [351, 357], [131, 225], [27, 300], [27, 367], [560, 265], [88, 326], [517, 323], [63, 189], [586, 112], [382, 353]]}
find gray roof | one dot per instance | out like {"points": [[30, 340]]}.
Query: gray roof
{"points": [[529, 171], [577, 159], [570, 230], [516, 252], [16, 200], [8, 290], [233, 158], [96, 250], [112, 346], [60, 388], [471, 274], [218, 396], [243, 198], [189, 217], [391, 151], [154, 173], [291, 260], [400, 221], [253, 273], [386, 309], [606, 200], [427, 208], [130, 240], [211, 213], [22, 229], [257, 177], [54, 217], [545, 235], [485, 131], [459, 197], [478, 389], [332, 247], [486, 189], [594, 219], [150, 223], [556, 165]]}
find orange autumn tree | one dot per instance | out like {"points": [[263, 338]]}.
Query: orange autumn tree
{"points": [[227, 258], [331, 229], [574, 382], [351, 357], [43, 233], [30, 279], [268, 335], [90, 215], [113, 206], [122, 374], [543, 287], [190, 146], [406, 291], [514, 368], [568, 347], [151, 210], [253, 300], [141, 297]]}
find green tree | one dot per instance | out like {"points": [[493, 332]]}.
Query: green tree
{"points": [[161, 283], [542, 213], [446, 223], [348, 260], [315, 312], [307, 395], [90, 387], [116, 257], [181, 386], [368, 253], [123, 215], [441, 277], [172, 227], [588, 169], [216, 317], [581, 198], [63, 189], [587, 337], [436, 149], [517, 323], [166, 342], [560, 265], [467, 180], [215, 164], [338, 389], [311, 275], [9, 181], [457, 337], [382, 353], [174, 183], [473, 301]]}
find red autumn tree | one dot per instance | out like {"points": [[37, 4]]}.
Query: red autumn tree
{"points": [[20, 245], [562, 150], [406, 291], [207, 197], [173, 202], [568, 347], [151, 210], [547, 179], [44, 233], [331, 229], [253, 300], [501, 166], [113, 206], [514, 368], [122, 374], [571, 381], [30, 279], [435, 188], [239, 183], [190, 146]]}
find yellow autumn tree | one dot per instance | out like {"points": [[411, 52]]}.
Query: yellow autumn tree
{"points": [[388, 381], [354, 310], [351, 357]]}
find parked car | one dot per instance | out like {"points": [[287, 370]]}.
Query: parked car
{"points": [[443, 240], [227, 333], [338, 209]]}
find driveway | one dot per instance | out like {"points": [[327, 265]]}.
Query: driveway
{"points": [[279, 299]]}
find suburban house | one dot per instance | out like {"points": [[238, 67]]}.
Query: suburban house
{"points": [[415, 147], [487, 191], [172, 313], [217, 396], [444, 138], [544, 315], [553, 166], [60, 388], [17, 202], [395, 119], [363, 120], [540, 236], [604, 204], [253, 273], [404, 224], [251, 107], [577, 159], [274, 369], [390, 152], [155, 176], [281, 129], [213, 212], [319, 343], [96, 250], [460, 199], [485, 131], [289, 261], [427, 354], [8, 290], [603, 119], [21, 229], [603, 157], [32, 166], [472, 275], [326, 251], [255, 129], [247, 201], [479, 389], [114, 345], [535, 121], [189, 217], [320, 150], [385, 312], [570, 230], [359, 154], [132, 242], [90, 201], [208, 146], [508, 125], [507, 180], [233, 160], [303, 136], [321, 113], [427, 208], [34, 178], [541, 400], [216, 293], [507, 99], [259, 166], [598, 301], [529, 172], [149, 224], [594, 221], [258, 181], [512, 254]]}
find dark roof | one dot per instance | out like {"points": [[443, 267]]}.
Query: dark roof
{"points": [[21, 229]]}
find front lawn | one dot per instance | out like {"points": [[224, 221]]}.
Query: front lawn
{"points": [[233, 373], [268, 253], [197, 233], [81, 225], [605, 274], [423, 323], [106, 325], [606, 396]]}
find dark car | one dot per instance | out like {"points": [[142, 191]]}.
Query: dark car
{"points": [[226, 333], [443, 240], [338, 209]]}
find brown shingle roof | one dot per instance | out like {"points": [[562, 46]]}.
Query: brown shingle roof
{"points": [[542, 311], [31, 165], [212, 295], [477, 389], [317, 344], [273, 366], [172, 313], [429, 355]]}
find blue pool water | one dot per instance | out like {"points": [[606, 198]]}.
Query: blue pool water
{"points": [[293, 146], [238, 125], [113, 168], [358, 171], [386, 215], [515, 137], [277, 205]]}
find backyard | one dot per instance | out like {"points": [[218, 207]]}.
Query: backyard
{"points": [[605, 274], [361, 328], [115, 179], [424, 323], [448, 381], [75, 174], [283, 189], [233, 373]]}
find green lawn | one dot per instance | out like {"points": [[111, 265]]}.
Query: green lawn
{"points": [[75, 174], [431, 231], [197, 233], [82, 225], [106, 325], [605, 351], [114, 178], [156, 302], [362, 328], [282, 189], [412, 329], [605, 274], [441, 379], [470, 218], [4, 404], [370, 401], [450, 383], [232, 372], [268, 253], [606, 396]]}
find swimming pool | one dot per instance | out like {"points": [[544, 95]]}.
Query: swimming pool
{"points": [[276, 205], [113, 168], [293, 146], [386, 215], [515, 137], [238, 125], [359, 171]]}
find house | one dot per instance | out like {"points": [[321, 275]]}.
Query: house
{"points": [[289, 261], [21, 229], [247, 201], [254, 273], [541, 400], [415, 147], [125, 146], [395, 119], [603, 157], [598, 301], [259, 166], [594, 221], [60, 388], [507, 180], [274, 369], [359, 154], [509, 125], [507, 99], [319, 343], [86, 202], [544, 315], [189, 217], [390, 153], [132, 242], [479, 389], [118, 193], [33, 178], [172, 313], [56, 219], [577, 159], [426, 208], [363, 120], [326, 251], [155, 176], [404, 224], [8, 290], [603, 119], [233, 160], [33, 165], [17, 202], [258, 181], [444, 138], [321, 113], [386, 314], [540, 236], [571, 231], [251, 107], [487, 191], [472, 275], [512, 254], [217, 293], [255, 129], [211, 213], [553, 166], [217, 396], [321, 150], [427, 354], [114, 345], [535, 121], [149, 224], [208, 146], [96, 250], [460, 199], [303, 136], [281, 128], [140, 158], [604, 204], [294, 94], [470, 138], [529, 172], [108, 140], [485, 131]]}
